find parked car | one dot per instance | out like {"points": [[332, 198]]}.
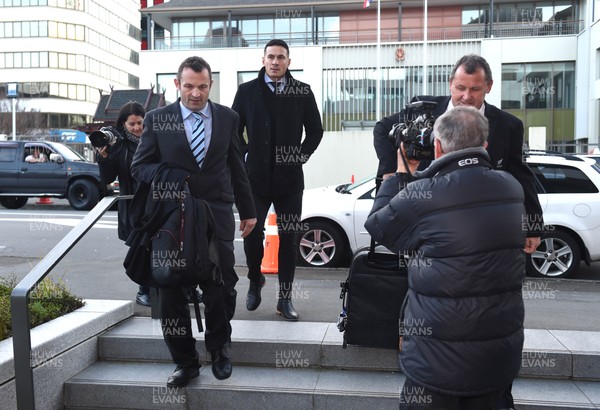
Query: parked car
{"points": [[61, 173], [568, 189], [595, 157]]}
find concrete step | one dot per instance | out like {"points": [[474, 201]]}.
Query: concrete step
{"points": [[141, 385], [547, 353]]}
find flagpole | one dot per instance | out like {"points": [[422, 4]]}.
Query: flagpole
{"points": [[378, 70], [425, 48]]}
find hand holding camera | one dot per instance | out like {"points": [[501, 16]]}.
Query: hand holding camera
{"points": [[415, 131], [406, 164], [105, 137]]}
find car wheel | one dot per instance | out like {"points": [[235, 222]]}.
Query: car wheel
{"points": [[557, 256], [322, 245], [83, 195], [13, 202]]}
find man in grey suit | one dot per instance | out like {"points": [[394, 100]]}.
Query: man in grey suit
{"points": [[200, 137]]}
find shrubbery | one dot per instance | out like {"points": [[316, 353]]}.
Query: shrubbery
{"points": [[47, 301]]}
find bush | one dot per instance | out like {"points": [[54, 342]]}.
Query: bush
{"points": [[47, 301]]}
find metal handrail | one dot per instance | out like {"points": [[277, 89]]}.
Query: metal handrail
{"points": [[19, 301]]}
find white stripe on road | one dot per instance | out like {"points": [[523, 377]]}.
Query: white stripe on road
{"points": [[61, 221]]}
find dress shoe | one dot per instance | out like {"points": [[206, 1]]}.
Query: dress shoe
{"points": [[253, 298], [182, 376], [142, 299], [221, 362], [286, 309]]}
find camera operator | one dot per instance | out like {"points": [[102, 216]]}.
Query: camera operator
{"points": [[115, 147], [460, 223], [470, 81]]}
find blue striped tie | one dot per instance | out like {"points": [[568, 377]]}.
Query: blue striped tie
{"points": [[197, 144]]}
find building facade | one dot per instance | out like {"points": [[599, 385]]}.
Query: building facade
{"points": [[64, 55], [544, 55]]}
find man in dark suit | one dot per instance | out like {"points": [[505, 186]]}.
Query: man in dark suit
{"points": [[274, 110], [470, 80], [200, 137]]}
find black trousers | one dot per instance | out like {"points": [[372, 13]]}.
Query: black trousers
{"points": [[415, 396], [219, 308], [288, 209]]}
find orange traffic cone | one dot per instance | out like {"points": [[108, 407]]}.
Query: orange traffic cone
{"points": [[44, 200], [271, 255]]}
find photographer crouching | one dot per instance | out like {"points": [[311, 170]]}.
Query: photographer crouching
{"points": [[115, 147], [459, 221]]}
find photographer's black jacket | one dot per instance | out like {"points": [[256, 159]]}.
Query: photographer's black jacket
{"points": [[461, 225], [118, 164], [505, 147]]}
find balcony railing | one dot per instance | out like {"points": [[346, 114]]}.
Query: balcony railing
{"points": [[466, 32]]}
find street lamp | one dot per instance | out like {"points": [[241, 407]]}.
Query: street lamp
{"points": [[12, 93]]}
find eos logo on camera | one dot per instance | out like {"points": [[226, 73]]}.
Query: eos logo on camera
{"points": [[468, 161]]}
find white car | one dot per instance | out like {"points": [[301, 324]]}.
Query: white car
{"points": [[568, 189]]}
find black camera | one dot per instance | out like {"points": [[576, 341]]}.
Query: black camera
{"points": [[415, 130], [106, 136]]}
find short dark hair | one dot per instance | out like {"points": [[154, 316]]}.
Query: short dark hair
{"points": [[277, 42], [471, 63], [131, 108], [195, 63]]}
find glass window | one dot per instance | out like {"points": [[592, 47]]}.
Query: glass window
{"points": [[1, 29], [282, 27], [513, 86], [35, 59], [564, 10], [34, 28], [18, 60], [563, 85], [62, 30], [43, 25], [504, 13], [80, 63], [538, 85], [71, 62], [562, 179], [245, 76], [71, 31], [63, 91], [8, 154], [471, 15], [63, 61], [165, 83], [25, 27], [80, 33], [81, 92], [26, 60], [9, 60], [52, 60], [17, 29], [52, 29]]}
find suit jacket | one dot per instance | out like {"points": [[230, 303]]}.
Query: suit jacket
{"points": [[222, 179], [505, 147], [274, 162]]}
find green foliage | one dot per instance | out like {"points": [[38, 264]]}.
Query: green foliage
{"points": [[47, 301]]}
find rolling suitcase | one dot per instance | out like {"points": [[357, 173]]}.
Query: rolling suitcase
{"points": [[372, 298]]}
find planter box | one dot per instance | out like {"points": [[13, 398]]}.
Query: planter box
{"points": [[61, 349]]}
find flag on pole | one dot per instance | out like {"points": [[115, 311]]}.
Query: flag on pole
{"points": [[366, 3]]}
